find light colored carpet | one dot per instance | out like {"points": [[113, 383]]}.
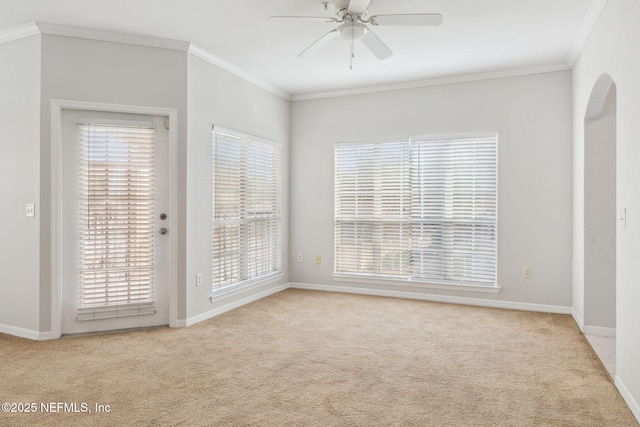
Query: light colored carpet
{"points": [[304, 358]]}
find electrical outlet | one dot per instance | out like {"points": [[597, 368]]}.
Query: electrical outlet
{"points": [[300, 257], [199, 279], [30, 210], [318, 259], [526, 272]]}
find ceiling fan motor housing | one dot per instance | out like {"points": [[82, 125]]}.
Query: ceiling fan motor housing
{"points": [[341, 7]]}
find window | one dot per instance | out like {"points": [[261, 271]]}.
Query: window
{"points": [[419, 210], [246, 209], [116, 220]]}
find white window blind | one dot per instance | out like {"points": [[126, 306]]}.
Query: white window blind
{"points": [[373, 209], [454, 210], [116, 220], [246, 209], [422, 211]]}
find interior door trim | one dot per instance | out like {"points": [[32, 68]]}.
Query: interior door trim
{"points": [[57, 107]]}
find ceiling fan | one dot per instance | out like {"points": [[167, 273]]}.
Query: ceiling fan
{"points": [[354, 25]]}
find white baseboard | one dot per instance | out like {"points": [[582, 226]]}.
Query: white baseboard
{"points": [[436, 298], [626, 395], [28, 333], [21, 332], [234, 303], [578, 319], [599, 331]]}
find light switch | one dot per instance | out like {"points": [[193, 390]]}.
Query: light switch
{"points": [[31, 210], [318, 259]]}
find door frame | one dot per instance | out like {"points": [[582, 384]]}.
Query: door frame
{"points": [[57, 107]]}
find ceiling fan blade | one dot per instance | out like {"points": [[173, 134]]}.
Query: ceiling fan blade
{"points": [[376, 46], [302, 18], [421, 19], [319, 43], [358, 7]]}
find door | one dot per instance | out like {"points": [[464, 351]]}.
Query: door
{"points": [[114, 210]]}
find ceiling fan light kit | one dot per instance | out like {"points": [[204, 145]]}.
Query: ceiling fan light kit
{"points": [[351, 15], [352, 32]]}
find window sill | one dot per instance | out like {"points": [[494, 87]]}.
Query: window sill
{"points": [[244, 286], [420, 285]]}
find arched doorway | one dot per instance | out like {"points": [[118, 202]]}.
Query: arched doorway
{"points": [[600, 221]]}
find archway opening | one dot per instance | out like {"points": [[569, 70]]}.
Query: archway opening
{"points": [[600, 220]]}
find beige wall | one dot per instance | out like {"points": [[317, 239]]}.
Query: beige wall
{"points": [[613, 49], [20, 184], [532, 116], [217, 97]]}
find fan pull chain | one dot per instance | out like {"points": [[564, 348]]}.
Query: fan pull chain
{"points": [[353, 49], [351, 56]]}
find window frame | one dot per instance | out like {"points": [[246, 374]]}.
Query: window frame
{"points": [[409, 281], [246, 141]]}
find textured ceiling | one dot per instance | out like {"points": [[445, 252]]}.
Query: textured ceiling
{"points": [[477, 36]]}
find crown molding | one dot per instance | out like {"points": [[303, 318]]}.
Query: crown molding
{"points": [[214, 60], [20, 32], [461, 78], [594, 12], [108, 36], [35, 28]]}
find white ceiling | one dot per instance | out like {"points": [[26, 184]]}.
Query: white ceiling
{"points": [[477, 36]]}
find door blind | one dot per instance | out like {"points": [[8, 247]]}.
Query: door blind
{"points": [[417, 210], [116, 220], [246, 209]]}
